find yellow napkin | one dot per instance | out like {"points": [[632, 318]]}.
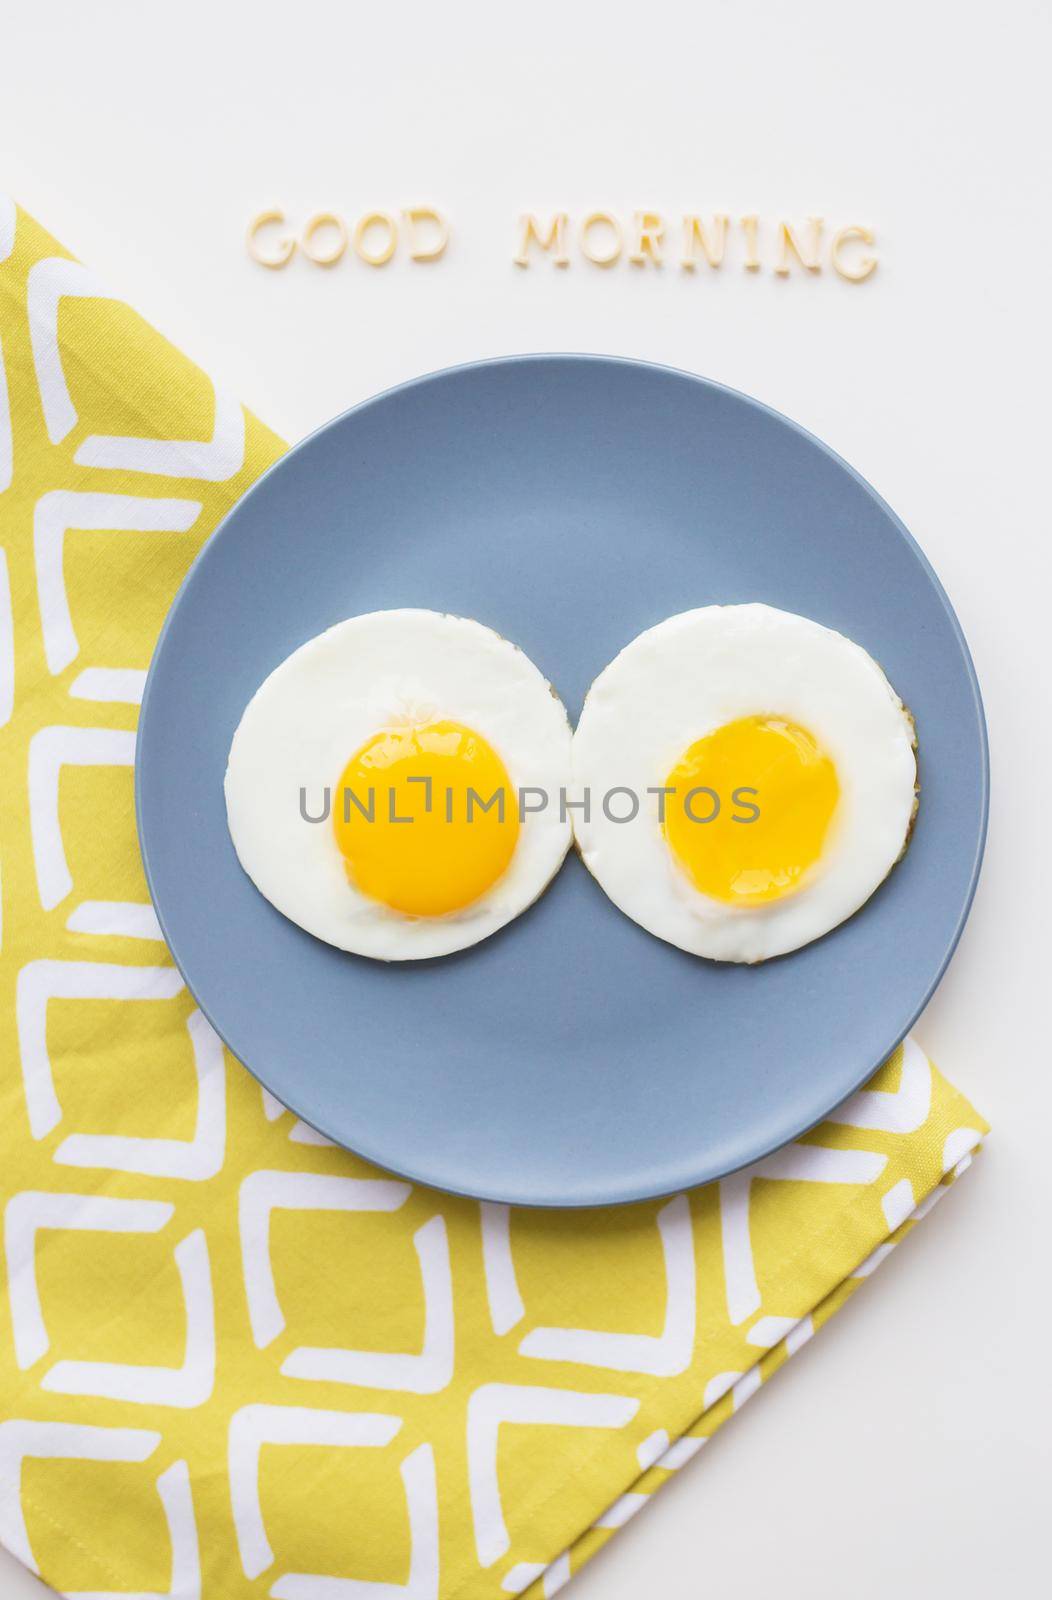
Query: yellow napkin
{"points": [[234, 1360]]}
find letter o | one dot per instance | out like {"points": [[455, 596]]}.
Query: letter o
{"points": [[609, 795], [324, 219], [593, 220], [373, 219], [689, 809]]}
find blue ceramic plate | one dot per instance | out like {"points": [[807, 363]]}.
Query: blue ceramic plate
{"points": [[568, 502]]}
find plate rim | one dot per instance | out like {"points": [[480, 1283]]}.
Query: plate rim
{"points": [[641, 1191]]}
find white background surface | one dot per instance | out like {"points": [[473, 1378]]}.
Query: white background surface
{"points": [[903, 1452]]}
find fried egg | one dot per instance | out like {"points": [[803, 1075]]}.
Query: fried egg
{"points": [[375, 781], [775, 774]]}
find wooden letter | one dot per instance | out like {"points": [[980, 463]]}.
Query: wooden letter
{"points": [[750, 225], [649, 232], [694, 234], [864, 265], [554, 239], [417, 215], [601, 219], [285, 246], [807, 255], [324, 219], [375, 219]]}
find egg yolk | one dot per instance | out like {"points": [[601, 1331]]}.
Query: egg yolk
{"points": [[425, 817], [758, 823]]}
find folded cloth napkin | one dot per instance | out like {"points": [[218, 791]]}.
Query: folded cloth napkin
{"points": [[235, 1360]]}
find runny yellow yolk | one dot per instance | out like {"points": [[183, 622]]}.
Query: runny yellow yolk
{"points": [[785, 775], [440, 776]]}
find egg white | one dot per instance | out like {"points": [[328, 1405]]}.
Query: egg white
{"points": [[319, 707], [683, 679]]}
